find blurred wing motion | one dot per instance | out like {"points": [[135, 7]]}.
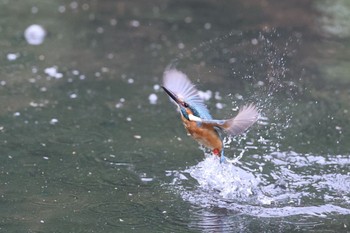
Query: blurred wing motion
{"points": [[246, 117], [179, 84]]}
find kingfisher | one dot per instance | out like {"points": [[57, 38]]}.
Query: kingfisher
{"points": [[196, 117]]}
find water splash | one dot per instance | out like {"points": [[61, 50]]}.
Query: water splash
{"points": [[292, 187]]}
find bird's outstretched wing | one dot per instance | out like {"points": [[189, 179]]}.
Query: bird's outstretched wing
{"points": [[246, 117], [177, 82]]}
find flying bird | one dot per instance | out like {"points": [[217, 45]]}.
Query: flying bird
{"points": [[196, 117]]}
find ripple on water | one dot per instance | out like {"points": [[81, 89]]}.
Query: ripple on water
{"points": [[287, 184], [140, 214]]}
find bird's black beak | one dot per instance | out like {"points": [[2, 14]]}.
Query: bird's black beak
{"points": [[173, 96]]}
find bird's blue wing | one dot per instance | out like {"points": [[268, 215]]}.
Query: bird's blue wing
{"points": [[177, 82], [246, 117]]}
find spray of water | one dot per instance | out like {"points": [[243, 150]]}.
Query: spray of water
{"points": [[274, 181]]}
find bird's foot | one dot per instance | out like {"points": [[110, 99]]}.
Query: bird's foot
{"points": [[223, 159]]}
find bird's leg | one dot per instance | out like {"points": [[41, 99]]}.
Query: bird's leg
{"points": [[222, 157], [217, 152]]}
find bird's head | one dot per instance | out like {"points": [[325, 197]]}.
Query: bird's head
{"points": [[174, 97], [184, 107]]}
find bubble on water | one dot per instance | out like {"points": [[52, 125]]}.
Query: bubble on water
{"points": [[153, 98], [207, 26], [73, 96], [156, 87], [100, 30], [61, 9], [75, 72], [146, 179], [217, 96], [205, 95], [53, 121], [188, 19], [104, 69], [254, 41], [35, 34], [34, 10], [135, 23], [73, 5], [85, 7], [219, 105], [120, 103], [260, 83], [53, 72], [137, 136], [238, 96], [232, 60], [12, 56], [181, 45], [113, 22]]}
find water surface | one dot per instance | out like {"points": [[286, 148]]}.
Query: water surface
{"points": [[84, 149]]}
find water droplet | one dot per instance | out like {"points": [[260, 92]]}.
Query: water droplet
{"points": [[113, 22], [35, 34], [254, 41], [181, 45], [12, 56], [53, 121], [61, 9], [207, 26], [135, 23], [153, 98], [73, 96]]}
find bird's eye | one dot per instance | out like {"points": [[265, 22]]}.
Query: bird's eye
{"points": [[185, 105]]}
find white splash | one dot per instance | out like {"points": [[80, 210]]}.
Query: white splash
{"points": [[284, 190], [229, 181]]}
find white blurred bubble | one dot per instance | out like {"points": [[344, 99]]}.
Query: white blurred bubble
{"points": [[53, 121], [12, 56], [35, 34], [153, 98]]}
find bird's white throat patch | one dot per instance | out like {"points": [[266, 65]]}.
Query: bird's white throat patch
{"points": [[194, 118]]}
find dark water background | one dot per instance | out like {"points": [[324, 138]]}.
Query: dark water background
{"points": [[83, 149]]}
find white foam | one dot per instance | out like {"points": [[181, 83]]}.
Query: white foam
{"points": [[251, 189]]}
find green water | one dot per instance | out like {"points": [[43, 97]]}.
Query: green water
{"points": [[82, 148]]}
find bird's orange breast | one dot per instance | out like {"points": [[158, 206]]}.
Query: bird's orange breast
{"points": [[204, 134]]}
